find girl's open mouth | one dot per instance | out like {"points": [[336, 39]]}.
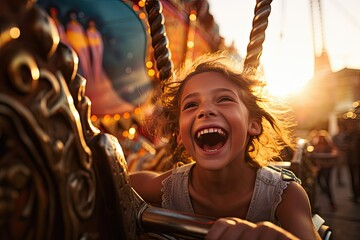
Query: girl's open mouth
{"points": [[211, 139]]}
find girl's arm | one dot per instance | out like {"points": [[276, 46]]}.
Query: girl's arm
{"points": [[235, 228], [294, 212], [148, 185]]}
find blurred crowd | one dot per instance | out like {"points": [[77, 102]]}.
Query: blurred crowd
{"points": [[331, 154]]}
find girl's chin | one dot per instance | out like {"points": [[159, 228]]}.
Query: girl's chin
{"points": [[210, 163]]}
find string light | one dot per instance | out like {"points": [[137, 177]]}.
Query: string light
{"points": [[141, 3], [126, 115], [151, 72], [310, 148], [190, 44], [14, 32], [107, 117], [355, 104], [135, 8], [137, 110], [149, 64], [142, 16], [94, 118], [132, 131], [117, 117], [192, 17], [125, 134]]}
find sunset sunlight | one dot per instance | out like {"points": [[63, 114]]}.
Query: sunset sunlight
{"points": [[284, 83], [284, 78], [290, 45]]}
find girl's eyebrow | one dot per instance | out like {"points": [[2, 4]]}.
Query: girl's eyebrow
{"points": [[188, 96], [215, 90], [224, 90]]}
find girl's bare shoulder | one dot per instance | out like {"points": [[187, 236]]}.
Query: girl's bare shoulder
{"points": [[294, 212], [148, 185]]}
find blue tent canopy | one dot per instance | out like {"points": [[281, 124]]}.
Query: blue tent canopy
{"points": [[124, 43]]}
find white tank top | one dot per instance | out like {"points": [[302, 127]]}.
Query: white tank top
{"points": [[269, 186]]}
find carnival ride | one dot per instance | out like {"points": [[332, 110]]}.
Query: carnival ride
{"points": [[118, 62], [60, 176]]}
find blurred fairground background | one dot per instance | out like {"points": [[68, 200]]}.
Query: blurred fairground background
{"points": [[310, 57]]}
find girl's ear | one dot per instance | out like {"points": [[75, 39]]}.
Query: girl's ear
{"points": [[178, 138], [254, 128]]}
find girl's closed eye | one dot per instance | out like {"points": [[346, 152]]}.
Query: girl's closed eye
{"points": [[226, 99], [189, 105]]}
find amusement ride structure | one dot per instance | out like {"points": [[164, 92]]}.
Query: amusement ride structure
{"points": [[61, 177]]}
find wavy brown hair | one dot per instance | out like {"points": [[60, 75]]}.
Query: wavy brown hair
{"points": [[276, 120]]}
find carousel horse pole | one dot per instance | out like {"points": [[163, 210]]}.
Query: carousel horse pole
{"points": [[257, 35], [159, 40]]}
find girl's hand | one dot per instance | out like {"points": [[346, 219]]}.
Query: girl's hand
{"points": [[235, 228]]}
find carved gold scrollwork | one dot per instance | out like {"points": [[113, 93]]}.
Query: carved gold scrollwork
{"points": [[71, 162], [23, 193], [60, 178], [82, 193], [23, 72], [67, 62], [42, 29], [83, 106], [16, 177], [47, 181]]}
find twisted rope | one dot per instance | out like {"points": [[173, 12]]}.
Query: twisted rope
{"points": [[257, 35], [160, 41]]}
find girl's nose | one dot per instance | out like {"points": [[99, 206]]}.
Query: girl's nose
{"points": [[206, 113]]}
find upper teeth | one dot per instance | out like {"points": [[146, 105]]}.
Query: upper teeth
{"points": [[210, 130]]}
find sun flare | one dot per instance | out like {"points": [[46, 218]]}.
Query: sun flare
{"points": [[285, 83]]}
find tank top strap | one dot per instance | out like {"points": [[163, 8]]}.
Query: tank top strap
{"points": [[175, 189], [286, 174], [268, 190]]}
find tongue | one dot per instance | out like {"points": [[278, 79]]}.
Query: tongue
{"points": [[213, 147]]}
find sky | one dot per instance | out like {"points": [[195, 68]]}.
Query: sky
{"points": [[289, 49]]}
